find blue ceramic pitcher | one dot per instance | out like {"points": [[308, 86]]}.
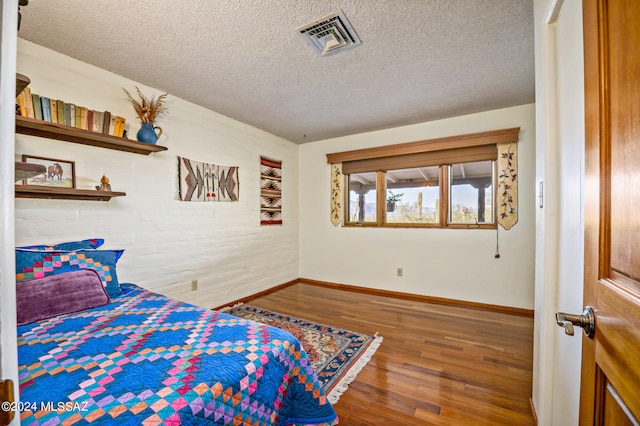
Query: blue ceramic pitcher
{"points": [[147, 133]]}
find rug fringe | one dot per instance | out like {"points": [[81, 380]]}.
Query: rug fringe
{"points": [[228, 308], [342, 386]]}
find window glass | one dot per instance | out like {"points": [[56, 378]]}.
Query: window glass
{"points": [[413, 195], [471, 192], [362, 197]]}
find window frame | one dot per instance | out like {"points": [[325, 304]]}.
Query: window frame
{"points": [[441, 152], [445, 191], [494, 185]]}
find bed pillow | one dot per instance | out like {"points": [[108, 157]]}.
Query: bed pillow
{"points": [[32, 264], [91, 243], [59, 294]]}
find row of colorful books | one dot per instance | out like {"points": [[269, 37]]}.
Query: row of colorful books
{"points": [[68, 114]]}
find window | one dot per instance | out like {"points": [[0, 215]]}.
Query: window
{"points": [[362, 198], [471, 192], [443, 183], [413, 195]]}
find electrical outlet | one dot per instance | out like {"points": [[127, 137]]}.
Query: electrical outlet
{"points": [[194, 285], [399, 272]]}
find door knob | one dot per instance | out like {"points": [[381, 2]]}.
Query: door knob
{"points": [[586, 321]]}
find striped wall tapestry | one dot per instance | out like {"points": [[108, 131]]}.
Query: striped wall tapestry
{"points": [[199, 181], [270, 192]]}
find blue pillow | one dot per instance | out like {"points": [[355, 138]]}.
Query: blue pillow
{"points": [[92, 243], [32, 264]]}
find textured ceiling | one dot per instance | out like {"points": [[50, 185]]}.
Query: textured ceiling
{"points": [[420, 60]]}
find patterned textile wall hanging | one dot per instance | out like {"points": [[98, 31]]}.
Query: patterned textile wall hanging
{"points": [[507, 184], [198, 181], [270, 192], [336, 193]]}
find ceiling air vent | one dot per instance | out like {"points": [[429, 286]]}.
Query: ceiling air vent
{"points": [[330, 34]]}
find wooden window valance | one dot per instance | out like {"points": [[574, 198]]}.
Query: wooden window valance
{"points": [[408, 149], [422, 159]]}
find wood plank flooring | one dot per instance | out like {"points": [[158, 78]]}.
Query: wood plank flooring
{"points": [[437, 365]]}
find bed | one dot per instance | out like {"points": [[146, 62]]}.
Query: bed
{"points": [[143, 358]]}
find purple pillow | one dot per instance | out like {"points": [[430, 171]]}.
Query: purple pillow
{"points": [[59, 294]]}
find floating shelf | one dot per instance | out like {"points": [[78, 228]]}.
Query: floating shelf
{"points": [[28, 170], [45, 129], [52, 192]]}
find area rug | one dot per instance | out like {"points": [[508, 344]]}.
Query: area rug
{"points": [[337, 355]]}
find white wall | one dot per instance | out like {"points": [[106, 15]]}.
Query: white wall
{"points": [[456, 264], [560, 237], [168, 242]]}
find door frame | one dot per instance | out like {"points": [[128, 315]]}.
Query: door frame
{"points": [[8, 59]]}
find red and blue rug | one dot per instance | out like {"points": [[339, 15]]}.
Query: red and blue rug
{"points": [[337, 355]]}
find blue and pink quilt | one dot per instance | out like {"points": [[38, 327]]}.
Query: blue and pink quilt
{"points": [[145, 359]]}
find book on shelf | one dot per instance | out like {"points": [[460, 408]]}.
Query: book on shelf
{"points": [[116, 130], [25, 102], [21, 104], [98, 121], [112, 125], [28, 100], [78, 118], [53, 103], [67, 114], [46, 108], [90, 120], [72, 115], [119, 127], [105, 122], [83, 118], [37, 106], [60, 112]]}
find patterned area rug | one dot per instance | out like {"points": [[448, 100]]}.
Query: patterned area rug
{"points": [[337, 355]]}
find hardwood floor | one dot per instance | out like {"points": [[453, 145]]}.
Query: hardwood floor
{"points": [[437, 365]]}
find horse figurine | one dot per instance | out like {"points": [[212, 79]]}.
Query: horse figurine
{"points": [[55, 170]]}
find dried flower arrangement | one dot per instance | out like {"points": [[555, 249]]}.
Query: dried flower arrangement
{"points": [[148, 109]]}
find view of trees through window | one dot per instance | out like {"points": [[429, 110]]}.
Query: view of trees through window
{"points": [[413, 195], [362, 197], [471, 192]]}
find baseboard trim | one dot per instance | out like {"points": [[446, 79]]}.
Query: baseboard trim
{"points": [[421, 298], [533, 412], [387, 293], [253, 296]]}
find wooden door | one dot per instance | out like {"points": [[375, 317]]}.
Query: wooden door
{"points": [[610, 388]]}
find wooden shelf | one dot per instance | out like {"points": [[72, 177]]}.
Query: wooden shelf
{"points": [[28, 170], [51, 192], [44, 129]]}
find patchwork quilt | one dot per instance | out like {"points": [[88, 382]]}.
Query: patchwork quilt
{"points": [[145, 359]]}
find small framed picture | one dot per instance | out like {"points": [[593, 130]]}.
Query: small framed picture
{"points": [[58, 173]]}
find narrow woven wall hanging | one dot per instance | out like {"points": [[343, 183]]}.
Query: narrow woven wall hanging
{"points": [[270, 191]]}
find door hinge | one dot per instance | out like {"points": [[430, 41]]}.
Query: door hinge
{"points": [[6, 395]]}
